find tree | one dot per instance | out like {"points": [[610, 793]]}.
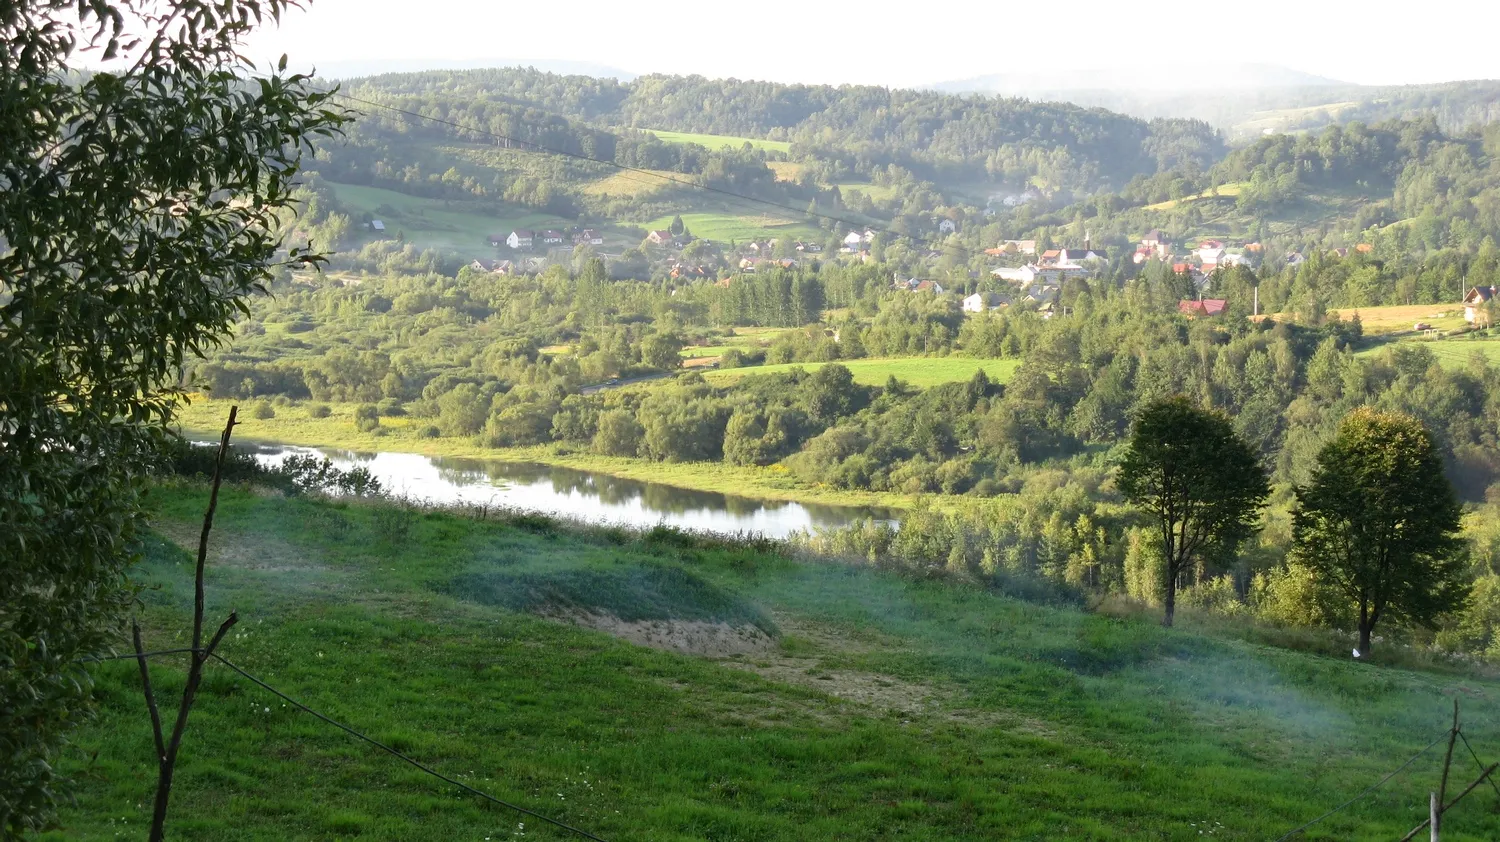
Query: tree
{"points": [[663, 351], [619, 434], [1379, 522], [1204, 486], [677, 226], [143, 203]]}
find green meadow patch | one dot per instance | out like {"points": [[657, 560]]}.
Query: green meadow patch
{"points": [[922, 372], [888, 707], [721, 141]]}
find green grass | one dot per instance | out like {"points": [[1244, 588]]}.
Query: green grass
{"points": [[459, 227], [720, 141], [885, 707], [1455, 352], [922, 372], [741, 226]]}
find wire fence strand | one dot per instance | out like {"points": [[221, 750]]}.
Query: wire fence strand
{"points": [[1367, 790], [393, 752]]}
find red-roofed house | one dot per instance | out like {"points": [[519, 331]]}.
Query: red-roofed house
{"points": [[660, 238], [1476, 304], [1206, 307]]}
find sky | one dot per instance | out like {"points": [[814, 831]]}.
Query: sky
{"points": [[901, 45]]}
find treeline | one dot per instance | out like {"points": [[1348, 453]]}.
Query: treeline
{"points": [[859, 127]]}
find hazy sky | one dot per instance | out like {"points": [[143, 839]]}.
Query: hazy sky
{"points": [[905, 44]]}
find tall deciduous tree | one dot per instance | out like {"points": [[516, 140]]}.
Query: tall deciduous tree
{"points": [[140, 204], [1204, 486], [1380, 522]]}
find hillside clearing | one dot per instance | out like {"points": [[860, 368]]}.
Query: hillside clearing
{"points": [[720, 141], [886, 708], [739, 226], [462, 228], [922, 372]]}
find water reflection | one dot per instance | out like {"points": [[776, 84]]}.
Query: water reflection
{"points": [[582, 495]]}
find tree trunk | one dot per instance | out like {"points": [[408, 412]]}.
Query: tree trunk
{"points": [[1364, 638], [1171, 600]]}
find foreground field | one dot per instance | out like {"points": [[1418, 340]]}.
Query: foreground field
{"points": [[922, 372], [807, 701]]}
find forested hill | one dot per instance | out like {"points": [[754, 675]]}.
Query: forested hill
{"points": [[854, 127]]}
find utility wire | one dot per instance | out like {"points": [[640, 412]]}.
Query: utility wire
{"points": [[97, 659], [383, 747], [651, 173], [1366, 791], [1474, 754]]}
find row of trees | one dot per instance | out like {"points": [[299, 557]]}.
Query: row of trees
{"points": [[1377, 522]]}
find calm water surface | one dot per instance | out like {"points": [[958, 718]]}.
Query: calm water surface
{"points": [[581, 495]]}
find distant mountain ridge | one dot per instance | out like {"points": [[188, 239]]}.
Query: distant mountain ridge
{"points": [[373, 67], [1163, 79]]}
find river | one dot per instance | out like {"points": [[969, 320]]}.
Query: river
{"points": [[580, 495]]}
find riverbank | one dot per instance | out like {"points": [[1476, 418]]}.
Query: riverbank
{"points": [[293, 424]]}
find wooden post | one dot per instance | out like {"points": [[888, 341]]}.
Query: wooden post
{"points": [[1434, 815]]}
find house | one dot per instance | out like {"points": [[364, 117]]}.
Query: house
{"points": [[503, 267], [947, 226], [377, 226], [1156, 240], [853, 241], [981, 301], [1019, 246], [1211, 256], [1051, 256], [868, 236], [1477, 305], [552, 237], [1021, 275], [1205, 307], [1295, 259], [497, 240], [521, 239], [1211, 244], [1341, 252], [588, 237], [928, 286], [1235, 260], [1083, 255], [1364, 248], [659, 238]]}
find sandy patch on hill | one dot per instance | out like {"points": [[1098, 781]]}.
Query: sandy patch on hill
{"points": [[687, 637]]}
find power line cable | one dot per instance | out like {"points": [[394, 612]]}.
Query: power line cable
{"points": [[652, 174], [1367, 790], [383, 747]]}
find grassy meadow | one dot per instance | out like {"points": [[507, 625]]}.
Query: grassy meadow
{"points": [[721, 141], [849, 703], [922, 372], [740, 225], [437, 224]]}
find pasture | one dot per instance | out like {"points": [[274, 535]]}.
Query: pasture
{"points": [[461, 228], [922, 372], [742, 225], [774, 698], [720, 141]]}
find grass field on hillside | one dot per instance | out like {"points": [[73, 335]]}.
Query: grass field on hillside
{"points": [[741, 226], [1400, 318], [720, 141], [1454, 352], [435, 224], [640, 185], [862, 705], [922, 372], [1223, 190]]}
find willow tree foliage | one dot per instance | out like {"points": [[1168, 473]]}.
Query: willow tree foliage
{"points": [[1203, 485], [1380, 523], [140, 205]]}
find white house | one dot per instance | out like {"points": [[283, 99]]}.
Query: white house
{"points": [[854, 240], [377, 225], [1211, 255], [1083, 255], [947, 226], [520, 239], [1020, 275], [981, 301], [1476, 305]]}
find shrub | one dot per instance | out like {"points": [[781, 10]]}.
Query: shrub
{"points": [[366, 418], [391, 408], [263, 411], [429, 432], [319, 410]]}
